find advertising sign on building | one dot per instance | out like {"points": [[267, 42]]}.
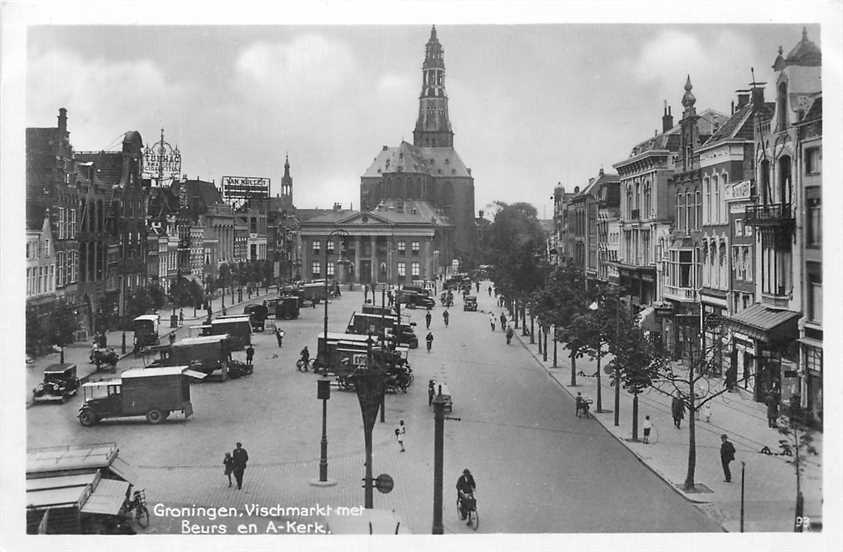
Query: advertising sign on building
{"points": [[245, 187]]}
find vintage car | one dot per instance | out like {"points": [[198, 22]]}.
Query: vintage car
{"points": [[469, 303], [413, 299], [257, 313], [104, 358], [146, 330], [210, 354], [150, 392], [285, 307], [60, 383]]}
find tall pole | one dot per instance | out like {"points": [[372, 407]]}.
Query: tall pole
{"points": [[599, 383], [554, 347], [325, 318], [323, 457], [617, 367], [438, 461], [383, 347], [743, 470]]}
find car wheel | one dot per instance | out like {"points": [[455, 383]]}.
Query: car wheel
{"points": [[87, 418], [155, 416]]}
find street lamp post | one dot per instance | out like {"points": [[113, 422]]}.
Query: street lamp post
{"points": [[593, 307], [438, 461], [334, 233], [323, 393], [617, 365], [369, 384]]}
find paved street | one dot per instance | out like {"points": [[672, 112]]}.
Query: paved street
{"points": [[538, 468]]}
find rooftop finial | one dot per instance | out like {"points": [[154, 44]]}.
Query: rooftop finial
{"points": [[433, 32], [804, 33]]}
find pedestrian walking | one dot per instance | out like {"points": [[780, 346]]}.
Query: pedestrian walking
{"points": [[390, 297], [172, 337], [727, 454], [706, 412], [490, 291], [365, 293], [509, 333], [445, 317], [503, 321], [648, 426], [279, 335], [477, 286], [427, 319], [772, 411], [429, 340], [677, 409], [181, 317], [239, 459], [304, 360], [250, 354], [431, 391], [228, 463], [223, 310], [492, 321], [400, 431]]}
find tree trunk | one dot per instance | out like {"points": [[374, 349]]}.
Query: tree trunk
{"points": [[599, 386], [635, 417], [573, 369], [800, 520], [544, 350], [540, 339], [555, 365], [515, 313], [532, 329], [692, 441], [524, 320]]}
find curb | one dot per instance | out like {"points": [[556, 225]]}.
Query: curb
{"points": [[660, 475]]}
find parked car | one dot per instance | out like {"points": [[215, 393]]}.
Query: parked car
{"points": [[150, 392], [285, 307], [414, 299], [257, 314], [60, 383], [237, 326]]}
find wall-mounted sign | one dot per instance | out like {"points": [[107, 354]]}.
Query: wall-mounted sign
{"points": [[245, 187]]}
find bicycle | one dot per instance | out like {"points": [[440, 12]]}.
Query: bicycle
{"points": [[138, 504], [469, 505]]}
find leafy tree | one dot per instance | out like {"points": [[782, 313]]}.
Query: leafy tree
{"points": [[61, 325], [180, 292], [139, 302], [157, 296], [797, 444], [517, 242], [35, 334], [197, 294]]}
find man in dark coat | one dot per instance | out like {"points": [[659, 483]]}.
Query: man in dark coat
{"points": [[727, 454], [240, 457], [427, 318], [677, 409], [250, 354], [772, 411]]}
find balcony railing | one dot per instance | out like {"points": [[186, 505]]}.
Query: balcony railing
{"points": [[680, 293], [770, 214]]}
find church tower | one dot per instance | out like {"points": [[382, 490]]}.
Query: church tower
{"points": [[287, 181], [433, 128]]}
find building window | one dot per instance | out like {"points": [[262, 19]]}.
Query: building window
{"points": [[815, 289], [402, 247], [414, 269], [815, 222], [317, 246], [415, 248], [698, 208], [738, 227], [402, 269], [330, 269], [707, 206], [690, 224], [716, 207], [680, 211], [813, 161], [315, 268], [329, 245], [781, 103], [747, 263]]}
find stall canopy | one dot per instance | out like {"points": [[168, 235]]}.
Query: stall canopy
{"points": [[766, 323], [108, 497]]}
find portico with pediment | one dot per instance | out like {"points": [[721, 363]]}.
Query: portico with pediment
{"points": [[395, 244]]}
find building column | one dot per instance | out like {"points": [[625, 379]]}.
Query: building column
{"points": [[390, 245], [375, 267], [357, 253]]}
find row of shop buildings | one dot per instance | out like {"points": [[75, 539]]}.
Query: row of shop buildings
{"points": [[714, 226], [99, 226]]}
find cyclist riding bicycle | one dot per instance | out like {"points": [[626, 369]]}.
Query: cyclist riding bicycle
{"points": [[304, 360], [466, 487]]}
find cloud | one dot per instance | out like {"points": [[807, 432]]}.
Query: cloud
{"points": [[309, 66], [104, 99], [717, 60]]}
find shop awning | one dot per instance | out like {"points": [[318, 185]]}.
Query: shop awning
{"points": [[107, 498], [765, 323]]}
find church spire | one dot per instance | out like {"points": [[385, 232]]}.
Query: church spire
{"points": [[433, 127], [287, 180]]}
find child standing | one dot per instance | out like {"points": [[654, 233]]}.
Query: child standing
{"points": [[228, 462], [648, 425]]}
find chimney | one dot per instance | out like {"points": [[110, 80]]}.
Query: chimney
{"points": [[743, 98], [733, 107], [601, 172], [667, 118], [758, 93], [62, 120]]}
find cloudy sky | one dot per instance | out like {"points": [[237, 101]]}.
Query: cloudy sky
{"points": [[531, 105]]}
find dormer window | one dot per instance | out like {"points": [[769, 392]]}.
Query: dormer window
{"points": [[781, 106]]}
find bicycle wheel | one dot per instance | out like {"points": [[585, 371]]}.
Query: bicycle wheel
{"points": [[475, 519], [142, 516]]}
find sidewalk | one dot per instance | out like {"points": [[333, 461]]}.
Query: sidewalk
{"points": [[79, 353], [770, 493], [770, 483]]}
